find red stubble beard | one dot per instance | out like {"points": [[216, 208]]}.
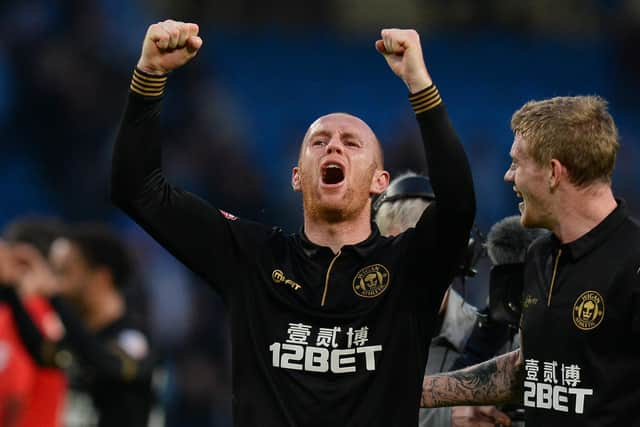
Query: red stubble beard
{"points": [[334, 205]]}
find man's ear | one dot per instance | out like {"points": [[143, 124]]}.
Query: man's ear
{"points": [[556, 173], [295, 179], [380, 181]]}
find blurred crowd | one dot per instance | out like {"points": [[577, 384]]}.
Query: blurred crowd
{"points": [[236, 114]]}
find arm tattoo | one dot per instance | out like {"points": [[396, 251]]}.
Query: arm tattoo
{"points": [[498, 380]]}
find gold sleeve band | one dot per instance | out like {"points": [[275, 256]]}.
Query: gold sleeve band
{"points": [[146, 84], [425, 100]]}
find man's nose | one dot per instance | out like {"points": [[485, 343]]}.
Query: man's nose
{"points": [[334, 146], [508, 175]]}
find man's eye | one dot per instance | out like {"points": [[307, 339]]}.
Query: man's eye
{"points": [[317, 142], [351, 144], [512, 167]]}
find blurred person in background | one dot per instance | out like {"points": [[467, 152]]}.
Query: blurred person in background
{"points": [[30, 395], [578, 363], [326, 321], [495, 331], [107, 356], [397, 209]]}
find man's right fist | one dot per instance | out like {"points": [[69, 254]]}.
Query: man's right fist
{"points": [[168, 45]]}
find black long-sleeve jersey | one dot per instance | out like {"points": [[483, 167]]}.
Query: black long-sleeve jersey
{"points": [[580, 327], [318, 338], [113, 366]]}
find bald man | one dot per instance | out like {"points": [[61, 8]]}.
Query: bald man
{"points": [[331, 325]]}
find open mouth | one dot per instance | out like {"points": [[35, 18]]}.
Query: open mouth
{"points": [[518, 193], [519, 196], [332, 173]]}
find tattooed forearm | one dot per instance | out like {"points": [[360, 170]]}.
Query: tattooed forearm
{"points": [[498, 380]]}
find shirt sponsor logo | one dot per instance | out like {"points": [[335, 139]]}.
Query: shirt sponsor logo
{"points": [[300, 352], [588, 310], [552, 391], [278, 277], [371, 281]]}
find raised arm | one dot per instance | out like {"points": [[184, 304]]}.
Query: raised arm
{"points": [[195, 232], [446, 224], [137, 182], [496, 381]]}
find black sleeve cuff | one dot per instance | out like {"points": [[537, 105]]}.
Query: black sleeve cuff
{"points": [[425, 100], [147, 85]]}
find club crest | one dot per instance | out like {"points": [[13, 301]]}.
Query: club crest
{"points": [[371, 281], [588, 310]]}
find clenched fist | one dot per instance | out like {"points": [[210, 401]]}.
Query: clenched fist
{"points": [[402, 50], [168, 45]]}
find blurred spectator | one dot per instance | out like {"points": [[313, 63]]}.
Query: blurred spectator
{"points": [[112, 359], [30, 395]]}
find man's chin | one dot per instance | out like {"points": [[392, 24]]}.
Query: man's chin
{"points": [[333, 208], [332, 213], [528, 221]]}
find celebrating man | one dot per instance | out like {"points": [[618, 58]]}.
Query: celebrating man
{"points": [[330, 326]]}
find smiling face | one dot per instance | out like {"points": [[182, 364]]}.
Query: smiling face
{"points": [[340, 166], [531, 184]]}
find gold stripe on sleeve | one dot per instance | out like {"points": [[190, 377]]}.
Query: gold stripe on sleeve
{"points": [[147, 85], [425, 100]]}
